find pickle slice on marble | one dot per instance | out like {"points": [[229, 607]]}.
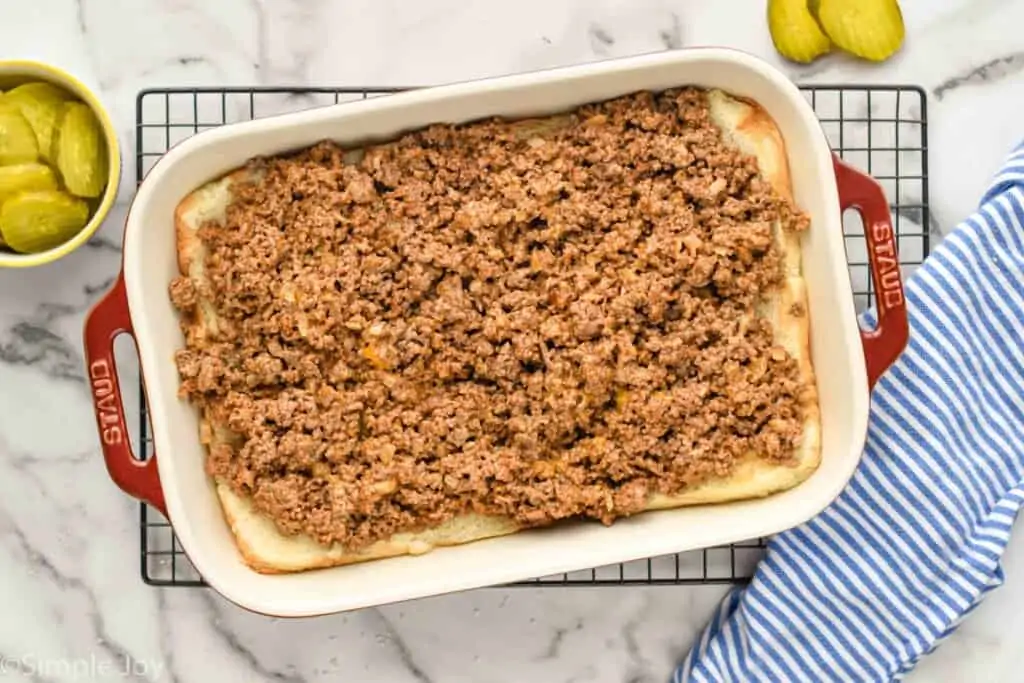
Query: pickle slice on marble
{"points": [[17, 141], [31, 222], [42, 105], [870, 29], [795, 32], [25, 178], [81, 153]]}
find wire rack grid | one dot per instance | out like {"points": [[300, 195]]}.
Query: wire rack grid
{"points": [[880, 129]]}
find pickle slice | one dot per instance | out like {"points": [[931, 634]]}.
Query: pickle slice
{"points": [[871, 29], [31, 222], [42, 90], [24, 178], [42, 105], [17, 141], [81, 153], [794, 31]]}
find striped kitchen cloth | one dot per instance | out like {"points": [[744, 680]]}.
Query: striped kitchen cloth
{"points": [[862, 591]]}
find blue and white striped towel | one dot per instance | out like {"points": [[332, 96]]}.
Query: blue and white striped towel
{"points": [[880, 577]]}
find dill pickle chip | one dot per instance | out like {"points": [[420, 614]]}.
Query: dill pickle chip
{"points": [[17, 141], [31, 222], [42, 90], [794, 31], [42, 105], [81, 153], [870, 29], [25, 177]]}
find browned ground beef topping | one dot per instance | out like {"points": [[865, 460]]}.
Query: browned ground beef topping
{"points": [[485, 318]]}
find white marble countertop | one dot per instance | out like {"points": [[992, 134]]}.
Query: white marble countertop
{"points": [[75, 607]]}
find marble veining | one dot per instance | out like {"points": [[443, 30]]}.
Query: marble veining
{"points": [[75, 607], [992, 70]]}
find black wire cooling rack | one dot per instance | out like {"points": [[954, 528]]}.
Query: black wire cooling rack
{"points": [[880, 129]]}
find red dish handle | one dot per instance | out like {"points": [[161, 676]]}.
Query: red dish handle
{"points": [[108, 319], [884, 344]]}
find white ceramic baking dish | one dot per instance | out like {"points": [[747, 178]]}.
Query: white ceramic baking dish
{"points": [[847, 361]]}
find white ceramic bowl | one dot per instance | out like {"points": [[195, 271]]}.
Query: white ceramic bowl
{"points": [[175, 480]]}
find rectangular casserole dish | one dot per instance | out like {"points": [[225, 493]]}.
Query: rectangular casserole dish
{"points": [[847, 360]]}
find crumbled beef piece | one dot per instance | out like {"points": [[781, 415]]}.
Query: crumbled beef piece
{"points": [[183, 293], [503, 318]]}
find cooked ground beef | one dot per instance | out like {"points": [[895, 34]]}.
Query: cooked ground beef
{"points": [[495, 318]]}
